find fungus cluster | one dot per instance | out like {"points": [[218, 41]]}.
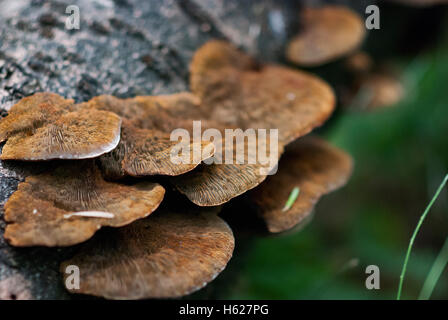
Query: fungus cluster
{"points": [[117, 157]]}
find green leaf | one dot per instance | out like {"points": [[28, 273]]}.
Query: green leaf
{"points": [[292, 198]]}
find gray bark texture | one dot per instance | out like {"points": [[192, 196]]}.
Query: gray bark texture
{"points": [[124, 48]]}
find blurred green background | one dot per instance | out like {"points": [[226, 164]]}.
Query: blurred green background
{"points": [[401, 157]]}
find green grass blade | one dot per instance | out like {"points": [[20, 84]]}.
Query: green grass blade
{"points": [[291, 199], [414, 235], [435, 272]]}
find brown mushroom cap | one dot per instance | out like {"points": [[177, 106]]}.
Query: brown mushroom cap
{"points": [[163, 113], [46, 126], [170, 254], [382, 90], [52, 209], [236, 92], [145, 146], [313, 166], [359, 62], [328, 33]]}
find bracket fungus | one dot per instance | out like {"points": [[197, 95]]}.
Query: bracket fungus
{"points": [[69, 204], [170, 254], [143, 152], [382, 90], [145, 147], [373, 85], [311, 165], [329, 32], [163, 113], [216, 184], [236, 91], [359, 62], [46, 126]]}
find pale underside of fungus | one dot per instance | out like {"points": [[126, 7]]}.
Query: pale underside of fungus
{"points": [[309, 164], [143, 152], [145, 146], [215, 184], [170, 254], [69, 204], [47, 126], [328, 33]]}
